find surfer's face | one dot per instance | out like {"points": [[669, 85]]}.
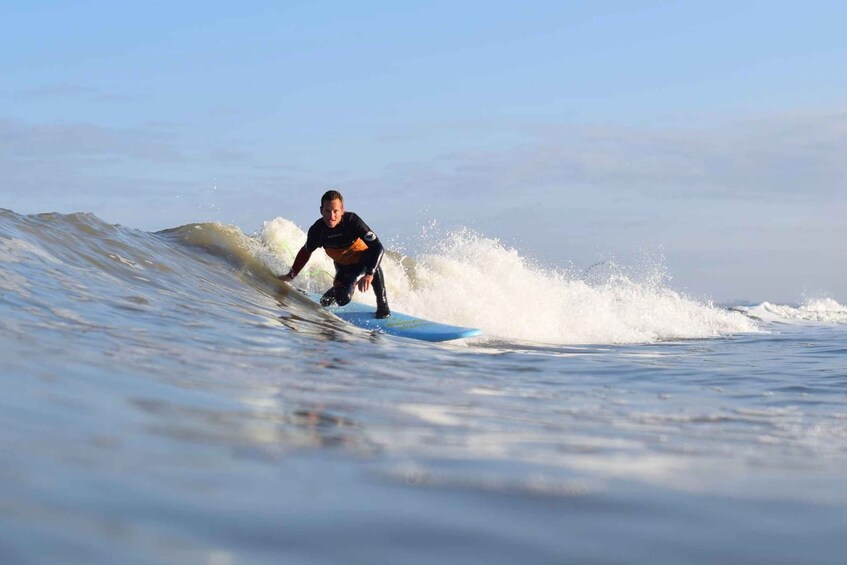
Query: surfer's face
{"points": [[331, 211]]}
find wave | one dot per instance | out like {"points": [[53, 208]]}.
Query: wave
{"points": [[470, 280], [213, 272], [813, 311]]}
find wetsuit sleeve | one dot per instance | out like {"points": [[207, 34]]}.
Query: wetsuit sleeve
{"points": [[373, 256], [358, 228], [300, 261]]}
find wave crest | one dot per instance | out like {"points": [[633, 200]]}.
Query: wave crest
{"points": [[466, 279]]}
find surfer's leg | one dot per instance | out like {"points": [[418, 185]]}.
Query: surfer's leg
{"points": [[328, 297], [382, 310], [344, 284]]}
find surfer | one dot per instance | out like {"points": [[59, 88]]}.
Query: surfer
{"points": [[354, 249]]}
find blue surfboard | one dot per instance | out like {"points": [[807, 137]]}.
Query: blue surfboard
{"points": [[399, 324]]}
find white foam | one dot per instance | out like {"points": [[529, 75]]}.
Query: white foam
{"points": [[470, 280], [284, 239], [813, 311]]}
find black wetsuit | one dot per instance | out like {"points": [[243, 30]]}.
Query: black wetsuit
{"points": [[355, 250]]}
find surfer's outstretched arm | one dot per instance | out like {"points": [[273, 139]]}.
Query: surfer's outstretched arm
{"points": [[372, 258], [299, 262]]}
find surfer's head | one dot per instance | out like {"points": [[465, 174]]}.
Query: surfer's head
{"points": [[332, 208]]}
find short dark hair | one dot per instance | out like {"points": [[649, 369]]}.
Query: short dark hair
{"points": [[331, 195]]}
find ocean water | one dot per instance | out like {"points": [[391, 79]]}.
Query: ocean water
{"points": [[167, 400]]}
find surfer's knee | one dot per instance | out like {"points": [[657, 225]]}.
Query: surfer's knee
{"points": [[343, 295]]}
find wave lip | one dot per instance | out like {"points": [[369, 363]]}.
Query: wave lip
{"points": [[462, 278], [813, 311], [466, 279]]}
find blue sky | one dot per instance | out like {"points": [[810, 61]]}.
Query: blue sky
{"points": [[712, 132]]}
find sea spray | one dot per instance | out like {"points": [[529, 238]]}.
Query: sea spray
{"points": [[284, 239], [813, 311], [467, 279]]}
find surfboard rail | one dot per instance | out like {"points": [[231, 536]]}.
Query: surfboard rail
{"points": [[398, 324]]}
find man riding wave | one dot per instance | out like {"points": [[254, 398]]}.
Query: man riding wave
{"points": [[354, 249]]}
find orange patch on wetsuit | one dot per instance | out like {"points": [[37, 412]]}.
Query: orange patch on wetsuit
{"points": [[349, 255]]}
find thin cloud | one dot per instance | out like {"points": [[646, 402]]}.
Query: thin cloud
{"points": [[56, 141], [57, 91], [229, 155], [783, 157], [65, 91]]}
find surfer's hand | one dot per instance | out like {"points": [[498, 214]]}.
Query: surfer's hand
{"points": [[365, 283]]}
